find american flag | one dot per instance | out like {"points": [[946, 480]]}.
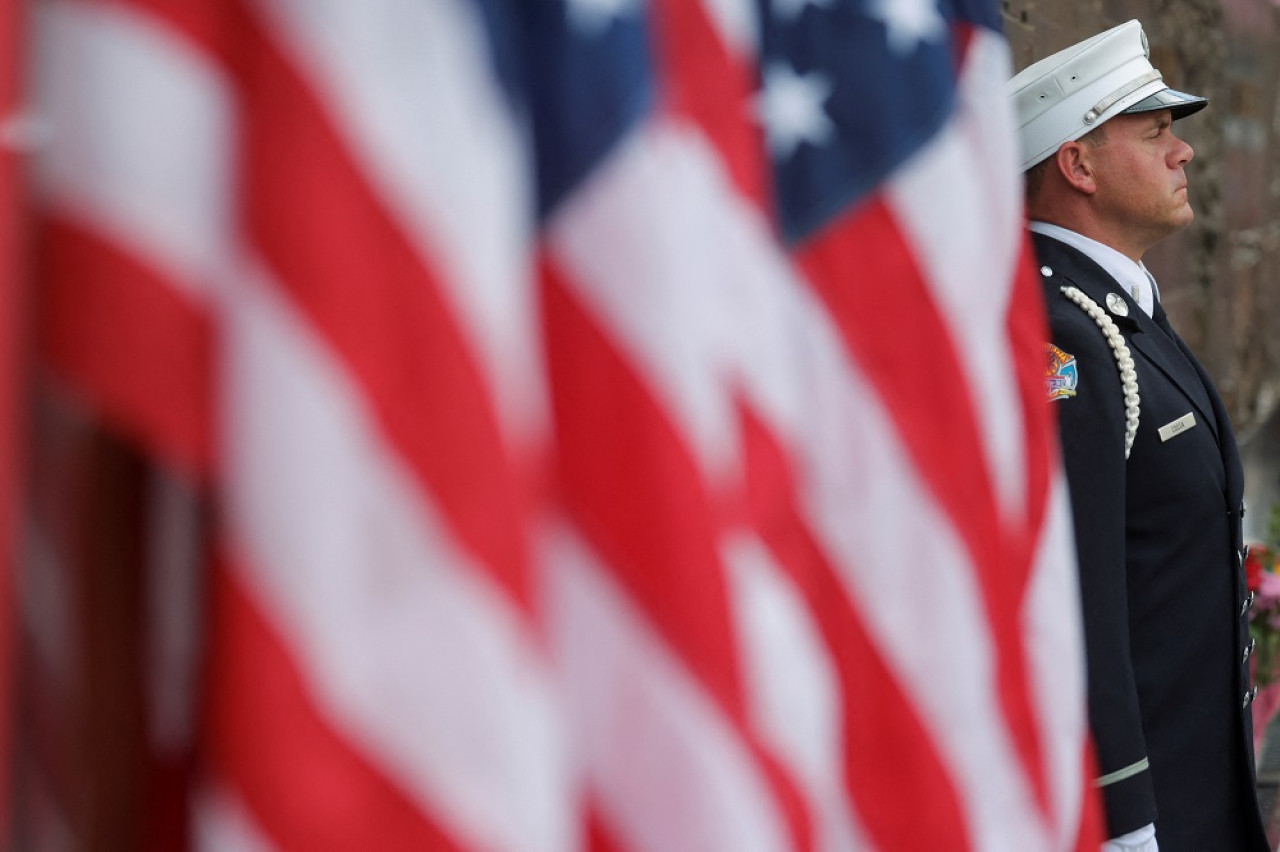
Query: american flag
{"points": [[624, 421]]}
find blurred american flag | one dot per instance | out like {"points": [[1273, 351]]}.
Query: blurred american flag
{"points": [[623, 421]]}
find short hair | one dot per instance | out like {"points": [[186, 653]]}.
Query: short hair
{"points": [[1033, 179]]}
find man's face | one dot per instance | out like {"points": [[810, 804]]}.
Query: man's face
{"points": [[1142, 187]]}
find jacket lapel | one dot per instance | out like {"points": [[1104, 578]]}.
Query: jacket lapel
{"points": [[1166, 351], [1230, 453]]}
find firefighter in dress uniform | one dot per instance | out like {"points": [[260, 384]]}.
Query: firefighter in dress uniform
{"points": [[1155, 477]]}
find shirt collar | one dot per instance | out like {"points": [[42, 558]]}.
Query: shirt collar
{"points": [[1132, 275]]}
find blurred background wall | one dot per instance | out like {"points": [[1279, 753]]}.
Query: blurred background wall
{"points": [[1217, 278]]}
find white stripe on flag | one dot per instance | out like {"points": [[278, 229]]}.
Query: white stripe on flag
{"points": [[423, 663], [670, 772], [220, 823], [1055, 652], [639, 244], [794, 692], [413, 91], [141, 142], [970, 260], [737, 23]]}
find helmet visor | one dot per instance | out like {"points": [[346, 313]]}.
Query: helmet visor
{"points": [[1179, 103]]}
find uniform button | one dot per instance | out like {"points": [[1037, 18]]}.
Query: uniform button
{"points": [[1248, 650], [1248, 603], [1248, 698]]}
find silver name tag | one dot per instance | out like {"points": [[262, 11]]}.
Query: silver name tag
{"points": [[1178, 426]]}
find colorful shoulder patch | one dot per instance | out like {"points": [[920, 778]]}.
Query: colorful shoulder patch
{"points": [[1060, 374]]}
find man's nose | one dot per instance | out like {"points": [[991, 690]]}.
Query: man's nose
{"points": [[1183, 153]]}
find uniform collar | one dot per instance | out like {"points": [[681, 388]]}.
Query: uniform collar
{"points": [[1131, 275]]}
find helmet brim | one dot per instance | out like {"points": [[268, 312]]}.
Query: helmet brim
{"points": [[1180, 104]]}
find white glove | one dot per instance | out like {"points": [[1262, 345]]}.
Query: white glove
{"points": [[1142, 840]]}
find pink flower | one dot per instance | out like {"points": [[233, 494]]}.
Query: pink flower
{"points": [[1268, 589]]}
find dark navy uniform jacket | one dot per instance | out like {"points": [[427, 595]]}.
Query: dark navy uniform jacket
{"points": [[1162, 584]]}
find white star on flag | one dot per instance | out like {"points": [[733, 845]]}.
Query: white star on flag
{"points": [[591, 17], [790, 108], [908, 22]]}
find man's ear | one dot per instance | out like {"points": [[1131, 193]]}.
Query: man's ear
{"points": [[1075, 166]]}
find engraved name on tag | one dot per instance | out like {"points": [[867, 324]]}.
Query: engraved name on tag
{"points": [[1178, 426]]}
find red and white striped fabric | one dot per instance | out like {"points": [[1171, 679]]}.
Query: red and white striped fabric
{"points": [[626, 527]]}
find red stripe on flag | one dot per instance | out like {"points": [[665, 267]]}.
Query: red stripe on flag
{"points": [[304, 784], [703, 81], [1028, 330], [883, 736], [630, 485], [1092, 828], [866, 274], [345, 263], [129, 341], [657, 532], [598, 836]]}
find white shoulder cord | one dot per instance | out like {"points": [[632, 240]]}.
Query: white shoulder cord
{"points": [[1128, 376]]}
